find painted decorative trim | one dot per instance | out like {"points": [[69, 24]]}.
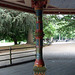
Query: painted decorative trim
{"points": [[39, 3]]}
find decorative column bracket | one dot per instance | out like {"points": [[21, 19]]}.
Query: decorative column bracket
{"points": [[39, 3], [39, 66]]}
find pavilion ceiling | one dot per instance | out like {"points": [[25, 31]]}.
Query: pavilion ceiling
{"points": [[52, 7]]}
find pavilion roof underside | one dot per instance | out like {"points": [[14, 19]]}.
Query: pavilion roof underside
{"points": [[52, 7]]}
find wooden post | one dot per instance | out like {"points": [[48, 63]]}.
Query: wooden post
{"points": [[39, 66], [10, 56]]}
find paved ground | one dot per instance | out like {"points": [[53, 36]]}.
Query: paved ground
{"points": [[60, 51], [54, 67], [59, 60]]}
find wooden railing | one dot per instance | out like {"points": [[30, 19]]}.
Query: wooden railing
{"points": [[12, 54]]}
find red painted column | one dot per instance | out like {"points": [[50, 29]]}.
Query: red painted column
{"points": [[39, 66]]}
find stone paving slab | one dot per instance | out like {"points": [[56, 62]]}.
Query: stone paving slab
{"points": [[60, 67], [54, 67]]}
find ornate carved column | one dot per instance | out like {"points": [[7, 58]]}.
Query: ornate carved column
{"points": [[39, 66]]}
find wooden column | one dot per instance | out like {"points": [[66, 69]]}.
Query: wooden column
{"points": [[39, 66]]}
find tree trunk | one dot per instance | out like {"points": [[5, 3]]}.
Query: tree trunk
{"points": [[15, 41], [51, 39], [30, 37], [59, 37], [62, 38]]}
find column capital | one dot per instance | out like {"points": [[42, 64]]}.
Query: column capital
{"points": [[39, 3]]}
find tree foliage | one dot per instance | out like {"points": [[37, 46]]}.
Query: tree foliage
{"points": [[48, 26], [14, 25], [55, 25], [67, 26]]}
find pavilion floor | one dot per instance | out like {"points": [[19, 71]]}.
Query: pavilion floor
{"points": [[54, 67], [58, 62]]}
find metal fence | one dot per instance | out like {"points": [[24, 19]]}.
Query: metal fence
{"points": [[10, 56]]}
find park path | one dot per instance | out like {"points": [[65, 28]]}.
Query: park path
{"points": [[59, 60], [60, 51]]}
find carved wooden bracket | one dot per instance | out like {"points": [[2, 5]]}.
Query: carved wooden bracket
{"points": [[39, 3]]}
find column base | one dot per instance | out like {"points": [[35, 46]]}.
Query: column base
{"points": [[39, 63], [39, 70]]}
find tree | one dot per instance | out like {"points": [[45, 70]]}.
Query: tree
{"points": [[55, 25], [67, 27], [48, 26], [15, 25]]}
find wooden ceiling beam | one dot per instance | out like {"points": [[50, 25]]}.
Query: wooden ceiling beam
{"points": [[23, 8], [15, 6], [59, 11]]}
